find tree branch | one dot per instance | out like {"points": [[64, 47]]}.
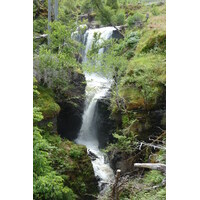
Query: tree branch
{"points": [[151, 145], [107, 19]]}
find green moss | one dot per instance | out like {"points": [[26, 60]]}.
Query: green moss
{"points": [[153, 34], [152, 40], [146, 62], [133, 97], [79, 70], [46, 102], [144, 82]]}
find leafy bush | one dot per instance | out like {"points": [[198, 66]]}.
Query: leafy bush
{"points": [[155, 11], [128, 45], [75, 152], [60, 39], [153, 177], [50, 186], [136, 18], [40, 25], [53, 70], [123, 143]]}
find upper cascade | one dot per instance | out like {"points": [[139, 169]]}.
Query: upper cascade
{"points": [[105, 32]]}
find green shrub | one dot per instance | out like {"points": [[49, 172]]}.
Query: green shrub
{"points": [[51, 187], [75, 152], [136, 18], [132, 40], [155, 11], [153, 177], [40, 25], [113, 4], [161, 194], [123, 143], [128, 45]]}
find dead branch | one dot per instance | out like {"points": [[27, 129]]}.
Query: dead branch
{"points": [[41, 36], [142, 150], [115, 192], [154, 166]]}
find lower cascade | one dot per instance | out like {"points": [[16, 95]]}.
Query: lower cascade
{"points": [[97, 88]]}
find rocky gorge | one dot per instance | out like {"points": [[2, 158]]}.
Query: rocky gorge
{"points": [[97, 122]]}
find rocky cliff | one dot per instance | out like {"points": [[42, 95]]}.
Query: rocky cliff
{"points": [[72, 106]]}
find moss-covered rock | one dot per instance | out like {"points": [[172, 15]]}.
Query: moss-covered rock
{"points": [[143, 86], [72, 162], [133, 97], [46, 102]]}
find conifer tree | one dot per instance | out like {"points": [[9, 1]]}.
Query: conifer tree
{"points": [[113, 4], [49, 17]]}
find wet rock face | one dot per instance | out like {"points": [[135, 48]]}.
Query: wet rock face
{"points": [[105, 125], [69, 121], [49, 125], [119, 160], [72, 106], [117, 35], [149, 124]]}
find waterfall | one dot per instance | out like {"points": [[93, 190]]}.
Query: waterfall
{"points": [[97, 87]]}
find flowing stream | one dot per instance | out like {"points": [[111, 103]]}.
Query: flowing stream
{"points": [[97, 87]]}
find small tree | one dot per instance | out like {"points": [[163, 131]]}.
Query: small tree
{"points": [[113, 4], [49, 18]]}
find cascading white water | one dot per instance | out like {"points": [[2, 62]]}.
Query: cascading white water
{"points": [[97, 87]]}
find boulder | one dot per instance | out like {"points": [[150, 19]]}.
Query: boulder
{"points": [[105, 125]]}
